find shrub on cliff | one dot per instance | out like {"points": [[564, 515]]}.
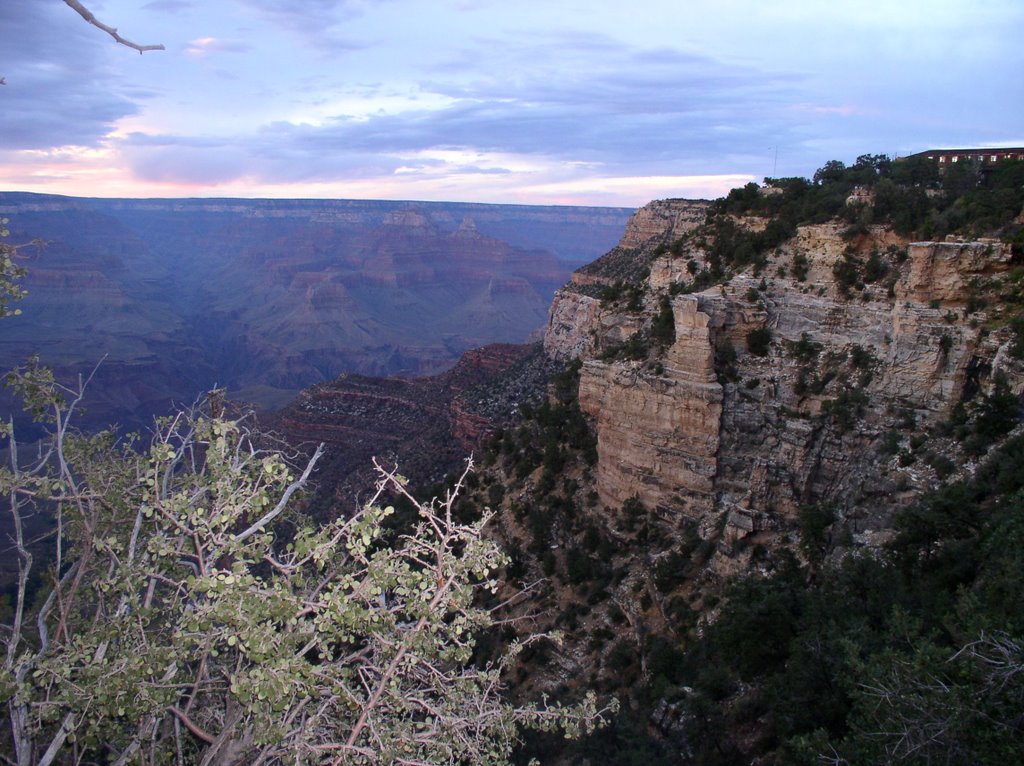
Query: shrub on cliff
{"points": [[758, 341], [904, 194], [1017, 328], [663, 328], [911, 656], [10, 275]]}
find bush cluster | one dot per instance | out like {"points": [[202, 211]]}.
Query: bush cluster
{"points": [[908, 194], [851, 658]]}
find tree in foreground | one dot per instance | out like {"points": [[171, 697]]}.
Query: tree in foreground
{"points": [[10, 275], [192, 617]]}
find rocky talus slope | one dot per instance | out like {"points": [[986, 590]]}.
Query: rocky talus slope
{"points": [[426, 426]]}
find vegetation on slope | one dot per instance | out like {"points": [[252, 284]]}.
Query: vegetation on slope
{"points": [[909, 195], [191, 614], [830, 652], [914, 655], [903, 655]]}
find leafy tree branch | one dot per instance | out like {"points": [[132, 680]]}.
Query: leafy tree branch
{"points": [[194, 615]]}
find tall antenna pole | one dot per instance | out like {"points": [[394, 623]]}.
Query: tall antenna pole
{"points": [[775, 163]]}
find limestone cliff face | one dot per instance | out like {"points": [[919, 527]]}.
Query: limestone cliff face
{"points": [[943, 270], [778, 389], [656, 219], [578, 325], [571, 321], [658, 434]]}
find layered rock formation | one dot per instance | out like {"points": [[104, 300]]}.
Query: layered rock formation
{"points": [[777, 389], [943, 271], [658, 433], [655, 220], [427, 426]]}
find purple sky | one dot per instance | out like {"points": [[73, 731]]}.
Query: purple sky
{"points": [[531, 101]]}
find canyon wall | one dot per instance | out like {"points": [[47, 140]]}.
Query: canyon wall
{"points": [[427, 426], [736, 435]]}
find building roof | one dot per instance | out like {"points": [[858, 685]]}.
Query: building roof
{"points": [[1017, 151]]}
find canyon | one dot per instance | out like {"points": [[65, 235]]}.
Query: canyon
{"points": [[266, 297], [766, 447], [834, 407], [771, 430], [428, 426]]}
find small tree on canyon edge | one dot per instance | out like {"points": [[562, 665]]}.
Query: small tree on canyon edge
{"points": [[189, 615]]}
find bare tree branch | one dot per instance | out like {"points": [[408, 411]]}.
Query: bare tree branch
{"points": [[283, 502], [86, 14], [191, 726]]}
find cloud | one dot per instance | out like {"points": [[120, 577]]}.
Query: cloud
{"points": [[845, 110], [634, 107], [600, 97], [261, 158], [59, 90], [204, 46], [191, 166], [478, 171], [315, 11], [169, 6], [480, 94], [660, 111], [314, 22]]}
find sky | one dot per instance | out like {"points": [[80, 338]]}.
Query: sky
{"points": [[593, 102]]}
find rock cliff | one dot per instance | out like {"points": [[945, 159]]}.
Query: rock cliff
{"points": [[771, 385], [658, 433], [576, 320], [783, 388]]}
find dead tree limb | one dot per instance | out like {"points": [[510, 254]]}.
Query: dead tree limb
{"points": [[86, 14]]}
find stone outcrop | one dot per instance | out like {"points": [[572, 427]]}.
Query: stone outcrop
{"points": [[943, 271], [660, 218], [656, 225], [658, 434], [571, 324], [578, 324]]}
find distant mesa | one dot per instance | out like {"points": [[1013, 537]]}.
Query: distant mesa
{"points": [[408, 217]]}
